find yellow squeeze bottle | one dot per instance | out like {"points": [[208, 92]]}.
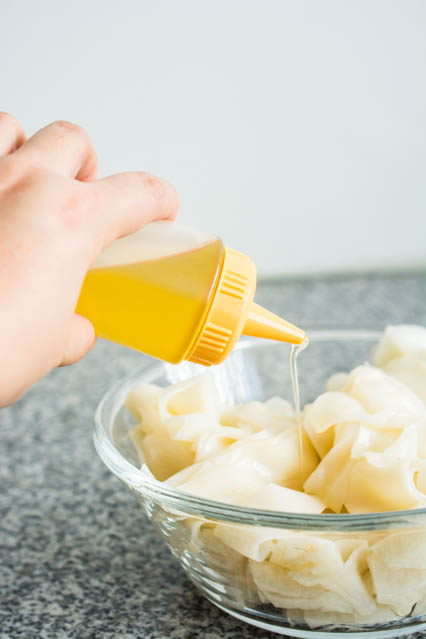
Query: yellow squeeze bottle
{"points": [[177, 294]]}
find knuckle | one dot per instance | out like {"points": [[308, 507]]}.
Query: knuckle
{"points": [[64, 127], [72, 207], [77, 215], [11, 172], [153, 184], [162, 192], [9, 119]]}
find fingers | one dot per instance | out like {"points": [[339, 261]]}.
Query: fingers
{"points": [[128, 201], [81, 339], [62, 147], [12, 135]]}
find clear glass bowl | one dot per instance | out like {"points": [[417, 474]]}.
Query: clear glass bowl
{"points": [[258, 370]]}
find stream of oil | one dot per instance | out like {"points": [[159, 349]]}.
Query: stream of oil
{"points": [[295, 350]]}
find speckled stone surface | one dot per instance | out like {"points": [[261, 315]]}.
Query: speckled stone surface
{"points": [[78, 558]]}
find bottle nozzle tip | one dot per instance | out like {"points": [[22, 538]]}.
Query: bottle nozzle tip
{"points": [[262, 323]]}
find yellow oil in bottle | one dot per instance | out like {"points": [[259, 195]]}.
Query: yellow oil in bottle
{"points": [[156, 306]]}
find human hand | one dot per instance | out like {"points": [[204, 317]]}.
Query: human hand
{"points": [[55, 219]]}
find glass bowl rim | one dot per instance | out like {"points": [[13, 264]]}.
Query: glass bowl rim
{"points": [[185, 504]]}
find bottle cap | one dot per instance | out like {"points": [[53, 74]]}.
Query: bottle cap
{"points": [[232, 313]]}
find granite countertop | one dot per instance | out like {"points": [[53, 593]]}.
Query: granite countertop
{"points": [[78, 558]]}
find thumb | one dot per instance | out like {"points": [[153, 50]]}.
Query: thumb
{"points": [[81, 339]]}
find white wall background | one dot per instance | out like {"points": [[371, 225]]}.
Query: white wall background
{"points": [[295, 129]]}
